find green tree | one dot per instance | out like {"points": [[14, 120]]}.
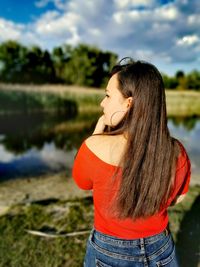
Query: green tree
{"points": [[170, 82], [60, 56], [83, 65], [193, 80], [25, 65], [88, 65], [39, 66], [12, 58], [182, 81]]}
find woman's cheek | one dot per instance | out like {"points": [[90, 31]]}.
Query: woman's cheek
{"points": [[117, 117]]}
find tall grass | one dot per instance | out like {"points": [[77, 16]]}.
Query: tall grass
{"points": [[184, 103], [179, 103], [23, 102]]}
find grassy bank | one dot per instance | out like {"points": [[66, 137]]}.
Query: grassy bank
{"points": [[183, 103], [18, 248], [21, 249], [179, 103], [30, 102]]}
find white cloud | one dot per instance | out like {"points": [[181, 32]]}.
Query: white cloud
{"points": [[54, 26], [52, 23], [153, 32], [73, 22], [75, 38], [168, 12], [159, 28], [10, 30], [95, 32], [143, 54], [42, 3], [126, 17], [5, 155], [188, 40], [58, 3], [89, 7], [193, 19], [132, 3]]}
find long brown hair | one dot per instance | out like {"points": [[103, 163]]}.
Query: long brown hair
{"points": [[151, 153]]}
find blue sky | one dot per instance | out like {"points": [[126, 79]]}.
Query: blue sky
{"points": [[23, 11], [164, 32]]}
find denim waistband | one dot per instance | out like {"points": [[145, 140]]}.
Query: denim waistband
{"points": [[129, 242]]}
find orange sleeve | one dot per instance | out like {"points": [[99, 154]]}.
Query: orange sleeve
{"points": [[82, 168], [184, 175]]}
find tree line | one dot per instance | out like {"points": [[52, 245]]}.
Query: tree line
{"points": [[82, 65]]}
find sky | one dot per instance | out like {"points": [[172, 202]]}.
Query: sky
{"points": [[163, 32]]}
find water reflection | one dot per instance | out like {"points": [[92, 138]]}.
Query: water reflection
{"points": [[33, 144], [188, 123], [33, 162], [188, 132], [24, 131]]}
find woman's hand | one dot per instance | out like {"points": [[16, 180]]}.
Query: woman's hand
{"points": [[100, 126]]}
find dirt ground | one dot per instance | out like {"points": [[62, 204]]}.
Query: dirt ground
{"points": [[56, 186]]}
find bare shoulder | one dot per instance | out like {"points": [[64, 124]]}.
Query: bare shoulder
{"points": [[95, 140], [107, 147]]}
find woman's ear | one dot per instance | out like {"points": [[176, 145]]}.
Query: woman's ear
{"points": [[129, 102]]}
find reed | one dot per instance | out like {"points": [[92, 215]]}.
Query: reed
{"points": [[179, 103], [28, 102]]}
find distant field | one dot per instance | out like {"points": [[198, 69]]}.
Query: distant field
{"points": [[179, 103], [186, 103]]}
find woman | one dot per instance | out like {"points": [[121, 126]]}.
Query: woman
{"points": [[136, 171]]}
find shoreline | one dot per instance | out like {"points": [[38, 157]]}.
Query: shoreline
{"points": [[55, 186], [28, 190], [24, 190], [183, 103]]}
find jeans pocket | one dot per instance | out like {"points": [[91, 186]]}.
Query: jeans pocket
{"points": [[101, 264], [169, 261]]}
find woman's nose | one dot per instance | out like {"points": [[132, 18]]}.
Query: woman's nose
{"points": [[102, 103]]}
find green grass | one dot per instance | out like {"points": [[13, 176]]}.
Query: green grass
{"points": [[19, 101], [179, 103], [21, 249], [185, 228], [183, 103], [177, 212]]}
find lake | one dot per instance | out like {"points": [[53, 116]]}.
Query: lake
{"points": [[37, 143]]}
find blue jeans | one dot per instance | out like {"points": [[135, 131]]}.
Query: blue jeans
{"points": [[108, 251]]}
